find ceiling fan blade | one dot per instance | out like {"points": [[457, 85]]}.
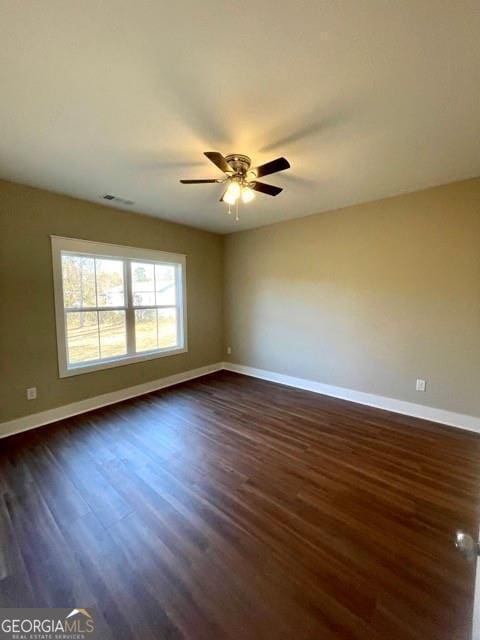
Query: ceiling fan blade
{"points": [[280, 164], [219, 161], [269, 189], [200, 181]]}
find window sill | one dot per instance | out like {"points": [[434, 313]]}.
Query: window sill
{"points": [[75, 370]]}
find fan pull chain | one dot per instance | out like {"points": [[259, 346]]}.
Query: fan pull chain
{"points": [[236, 211], [229, 209]]}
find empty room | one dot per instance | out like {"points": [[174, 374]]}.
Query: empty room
{"points": [[240, 320]]}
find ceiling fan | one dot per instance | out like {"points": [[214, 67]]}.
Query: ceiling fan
{"points": [[240, 180]]}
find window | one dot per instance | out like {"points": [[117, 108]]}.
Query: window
{"points": [[116, 305]]}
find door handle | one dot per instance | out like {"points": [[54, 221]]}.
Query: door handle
{"points": [[467, 545]]}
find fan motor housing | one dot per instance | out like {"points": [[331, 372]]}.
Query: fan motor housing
{"points": [[239, 163]]}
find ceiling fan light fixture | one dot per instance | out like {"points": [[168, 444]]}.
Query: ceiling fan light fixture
{"points": [[232, 193], [240, 180], [248, 194]]}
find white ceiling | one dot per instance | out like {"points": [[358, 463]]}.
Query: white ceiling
{"points": [[365, 99]]}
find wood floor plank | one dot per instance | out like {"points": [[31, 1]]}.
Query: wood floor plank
{"points": [[230, 508]]}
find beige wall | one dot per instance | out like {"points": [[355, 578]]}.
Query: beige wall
{"points": [[369, 297], [28, 354]]}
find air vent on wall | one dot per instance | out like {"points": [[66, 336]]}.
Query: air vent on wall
{"points": [[112, 198]]}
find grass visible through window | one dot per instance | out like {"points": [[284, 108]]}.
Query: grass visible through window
{"points": [[89, 341]]}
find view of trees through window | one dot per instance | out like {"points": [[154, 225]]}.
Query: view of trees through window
{"points": [[98, 313]]}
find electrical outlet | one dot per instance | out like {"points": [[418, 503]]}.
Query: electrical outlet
{"points": [[32, 393], [229, 351], [421, 385]]}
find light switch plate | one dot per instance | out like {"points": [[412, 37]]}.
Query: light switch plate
{"points": [[31, 393]]}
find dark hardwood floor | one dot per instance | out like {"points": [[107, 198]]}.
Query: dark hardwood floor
{"points": [[233, 508]]}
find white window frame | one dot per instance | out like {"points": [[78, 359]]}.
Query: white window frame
{"points": [[100, 249]]}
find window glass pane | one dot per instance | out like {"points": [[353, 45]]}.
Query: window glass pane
{"points": [[97, 295], [165, 288], [167, 328], [82, 336], [110, 289], [143, 283], [146, 337], [113, 334], [78, 273]]}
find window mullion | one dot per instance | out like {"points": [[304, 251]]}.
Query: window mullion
{"points": [[179, 297], [179, 323], [130, 312], [155, 297], [96, 302]]}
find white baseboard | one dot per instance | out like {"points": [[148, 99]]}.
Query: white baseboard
{"points": [[67, 411], [471, 423], [463, 421]]}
